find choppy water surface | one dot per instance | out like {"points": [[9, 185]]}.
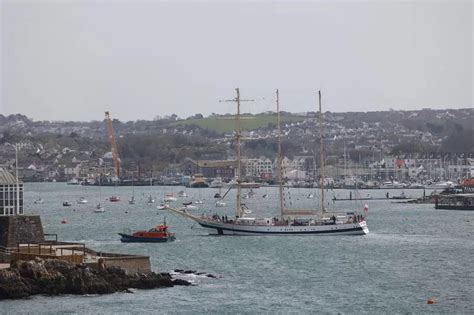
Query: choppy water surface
{"points": [[412, 253]]}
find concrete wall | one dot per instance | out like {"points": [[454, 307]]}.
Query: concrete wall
{"points": [[131, 264], [20, 229]]}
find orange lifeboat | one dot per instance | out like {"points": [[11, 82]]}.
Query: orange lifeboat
{"points": [[157, 234]]}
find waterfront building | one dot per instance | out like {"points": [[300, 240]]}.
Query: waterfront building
{"points": [[209, 168], [11, 194], [260, 167]]}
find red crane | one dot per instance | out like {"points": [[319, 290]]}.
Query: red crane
{"points": [[113, 144]]}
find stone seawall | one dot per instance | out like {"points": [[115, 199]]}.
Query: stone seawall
{"points": [[20, 229], [130, 263]]}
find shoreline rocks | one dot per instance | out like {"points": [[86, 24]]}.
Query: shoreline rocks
{"points": [[57, 277], [193, 272]]}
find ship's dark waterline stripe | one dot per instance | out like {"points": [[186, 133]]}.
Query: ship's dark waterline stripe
{"points": [[289, 232], [133, 239], [447, 207]]}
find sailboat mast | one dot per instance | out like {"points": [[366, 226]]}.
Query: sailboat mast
{"points": [[17, 181], [321, 152], [239, 162], [279, 157]]}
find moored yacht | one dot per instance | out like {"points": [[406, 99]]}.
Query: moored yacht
{"points": [[82, 201], [39, 201], [99, 208], [150, 200], [169, 197]]}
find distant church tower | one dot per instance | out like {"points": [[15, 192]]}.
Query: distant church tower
{"points": [[11, 194]]}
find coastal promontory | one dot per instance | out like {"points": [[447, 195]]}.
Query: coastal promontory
{"points": [[57, 277]]}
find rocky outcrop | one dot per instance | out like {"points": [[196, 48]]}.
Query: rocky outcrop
{"points": [[55, 277]]}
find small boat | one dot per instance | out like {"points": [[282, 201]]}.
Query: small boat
{"points": [[189, 206], [169, 197], [310, 196], [220, 203], [82, 201], [217, 195], [198, 202], [402, 196], [198, 182], [99, 208], [132, 201], [394, 184], [182, 194], [73, 181], [114, 199], [66, 204], [39, 201], [264, 196], [162, 206], [150, 200], [216, 183], [157, 234]]}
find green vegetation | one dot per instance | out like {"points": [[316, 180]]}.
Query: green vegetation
{"points": [[150, 151], [224, 124]]}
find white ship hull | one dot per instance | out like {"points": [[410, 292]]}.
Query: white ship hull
{"points": [[218, 228], [215, 227]]}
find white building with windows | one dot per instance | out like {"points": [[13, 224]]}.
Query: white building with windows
{"points": [[257, 167], [11, 194]]}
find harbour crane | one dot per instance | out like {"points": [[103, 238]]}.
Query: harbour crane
{"points": [[113, 144]]}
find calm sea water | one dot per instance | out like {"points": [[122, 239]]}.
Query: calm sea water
{"points": [[412, 253]]}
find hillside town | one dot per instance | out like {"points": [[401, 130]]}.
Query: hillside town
{"points": [[405, 148]]}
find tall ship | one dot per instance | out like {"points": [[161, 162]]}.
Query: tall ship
{"points": [[288, 221]]}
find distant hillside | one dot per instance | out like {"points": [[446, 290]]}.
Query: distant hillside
{"points": [[226, 124], [163, 141]]}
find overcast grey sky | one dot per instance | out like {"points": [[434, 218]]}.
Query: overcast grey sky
{"points": [[71, 60]]}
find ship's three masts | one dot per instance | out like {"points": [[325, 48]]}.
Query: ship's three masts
{"points": [[238, 138]]}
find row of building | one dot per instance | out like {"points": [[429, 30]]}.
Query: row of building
{"points": [[69, 164], [306, 168]]}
